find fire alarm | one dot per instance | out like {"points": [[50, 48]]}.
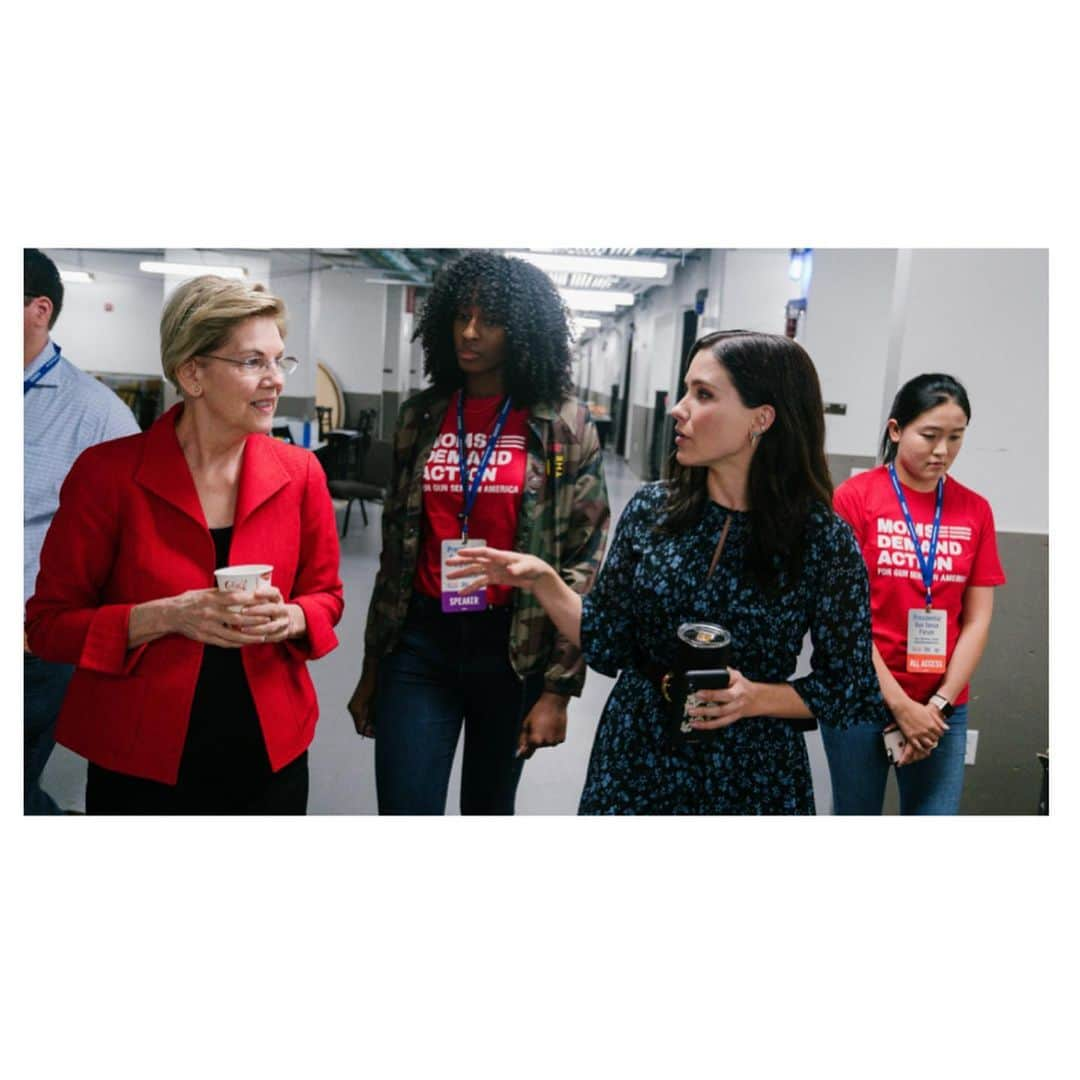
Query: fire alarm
{"points": [[108, 305]]}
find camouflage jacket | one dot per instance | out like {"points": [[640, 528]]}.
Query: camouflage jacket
{"points": [[563, 519]]}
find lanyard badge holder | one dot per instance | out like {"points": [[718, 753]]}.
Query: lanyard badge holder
{"points": [[926, 627], [452, 600], [29, 384]]}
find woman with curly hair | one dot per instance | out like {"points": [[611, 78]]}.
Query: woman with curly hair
{"points": [[496, 349], [739, 548]]}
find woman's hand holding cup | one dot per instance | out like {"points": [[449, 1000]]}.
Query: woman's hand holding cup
{"points": [[280, 620], [247, 609], [215, 617]]}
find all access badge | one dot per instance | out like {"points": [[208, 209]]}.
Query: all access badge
{"points": [[925, 640]]}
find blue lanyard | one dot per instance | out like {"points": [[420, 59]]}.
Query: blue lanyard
{"points": [[29, 384], [926, 563], [470, 491]]}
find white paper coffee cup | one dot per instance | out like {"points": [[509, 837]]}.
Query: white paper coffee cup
{"points": [[243, 578]]}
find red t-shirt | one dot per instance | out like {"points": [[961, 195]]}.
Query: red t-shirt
{"points": [[494, 516], [966, 555]]}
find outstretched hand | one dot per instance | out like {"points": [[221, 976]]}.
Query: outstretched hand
{"points": [[489, 566]]}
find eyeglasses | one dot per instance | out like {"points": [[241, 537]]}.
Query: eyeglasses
{"points": [[263, 365]]}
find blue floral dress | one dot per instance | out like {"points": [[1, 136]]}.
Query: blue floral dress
{"points": [[648, 586]]}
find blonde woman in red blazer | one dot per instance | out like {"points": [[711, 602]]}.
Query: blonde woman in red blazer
{"points": [[186, 699]]}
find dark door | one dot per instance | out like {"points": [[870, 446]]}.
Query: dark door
{"points": [[624, 404], [662, 437], [665, 444], [689, 336]]}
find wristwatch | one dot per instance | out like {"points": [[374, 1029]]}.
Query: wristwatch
{"points": [[942, 704]]}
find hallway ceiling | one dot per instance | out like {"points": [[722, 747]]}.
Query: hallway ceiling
{"points": [[417, 266]]}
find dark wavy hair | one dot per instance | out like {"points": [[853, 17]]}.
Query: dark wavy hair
{"points": [[917, 396], [512, 294], [788, 472]]}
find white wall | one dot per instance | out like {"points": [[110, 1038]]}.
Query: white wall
{"points": [[681, 297], [846, 332], [333, 316], [756, 289], [397, 349], [292, 280], [126, 340], [349, 330], [715, 272], [983, 317], [649, 359], [658, 330], [417, 378], [980, 315], [123, 340], [607, 353]]}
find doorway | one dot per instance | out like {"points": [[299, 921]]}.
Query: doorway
{"points": [[664, 449], [624, 404], [329, 400], [689, 336]]}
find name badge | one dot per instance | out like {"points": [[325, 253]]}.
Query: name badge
{"points": [[925, 640], [452, 600]]}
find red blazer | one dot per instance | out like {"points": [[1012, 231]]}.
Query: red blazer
{"points": [[129, 529]]}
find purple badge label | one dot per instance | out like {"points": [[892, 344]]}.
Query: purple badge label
{"points": [[455, 601]]}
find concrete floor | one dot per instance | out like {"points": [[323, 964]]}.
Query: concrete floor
{"points": [[343, 765]]}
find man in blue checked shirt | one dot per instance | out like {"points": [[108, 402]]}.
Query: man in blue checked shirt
{"points": [[64, 411]]}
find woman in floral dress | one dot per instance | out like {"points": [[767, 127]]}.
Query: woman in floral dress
{"points": [[742, 534]]}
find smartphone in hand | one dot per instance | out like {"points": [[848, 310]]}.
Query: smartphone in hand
{"points": [[894, 744], [686, 698]]}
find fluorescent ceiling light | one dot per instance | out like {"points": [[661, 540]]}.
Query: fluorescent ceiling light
{"points": [[582, 324], [387, 281], [596, 299], [601, 265], [192, 269], [76, 276]]}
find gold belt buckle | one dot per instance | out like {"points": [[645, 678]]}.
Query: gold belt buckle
{"points": [[665, 685]]}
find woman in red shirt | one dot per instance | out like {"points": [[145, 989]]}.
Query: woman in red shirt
{"points": [[186, 699], [499, 415], [931, 553]]}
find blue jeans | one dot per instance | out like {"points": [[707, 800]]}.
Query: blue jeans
{"points": [[44, 686], [859, 767], [448, 670]]}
